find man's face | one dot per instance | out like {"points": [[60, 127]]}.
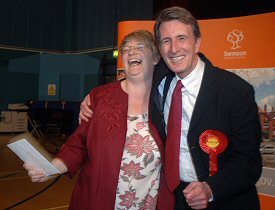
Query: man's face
{"points": [[179, 47]]}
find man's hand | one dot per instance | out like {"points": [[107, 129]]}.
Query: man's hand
{"points": [[85, 111], [197, 195]]}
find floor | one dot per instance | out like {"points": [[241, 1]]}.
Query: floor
{"points": [[19, 193]]}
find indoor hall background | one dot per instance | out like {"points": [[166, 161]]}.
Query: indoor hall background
{"points": [[82, 27], [31, 27]]}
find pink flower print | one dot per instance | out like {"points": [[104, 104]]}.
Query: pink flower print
{"points": [[137, 145], [153, 182], [140, 125], [128, 199], [149, 203], [131, 169], [158, 161]]}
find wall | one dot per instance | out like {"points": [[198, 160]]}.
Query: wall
{"points": [[16, 87], [68, 70], [28, 78]]}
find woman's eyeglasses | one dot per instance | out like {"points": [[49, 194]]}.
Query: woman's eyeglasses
{"points": [[137, 47]]}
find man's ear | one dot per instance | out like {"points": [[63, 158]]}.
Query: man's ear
{"points": [[197, 45]]}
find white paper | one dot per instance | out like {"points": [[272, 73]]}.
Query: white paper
{"points": [[27, 153]]}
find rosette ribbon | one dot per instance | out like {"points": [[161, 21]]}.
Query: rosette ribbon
{"points": [[213, 142]]}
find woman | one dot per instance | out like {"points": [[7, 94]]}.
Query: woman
{"points": [[118, 152]]}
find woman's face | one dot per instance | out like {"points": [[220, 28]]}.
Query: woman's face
{"points": [[138, 60]]}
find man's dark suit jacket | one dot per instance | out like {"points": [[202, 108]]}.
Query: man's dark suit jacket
{"points": [[225, 103]]}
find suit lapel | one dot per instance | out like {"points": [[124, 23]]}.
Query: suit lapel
{"points": [[155, 106], [206, 93]]}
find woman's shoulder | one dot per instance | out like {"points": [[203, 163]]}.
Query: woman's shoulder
{"points": [[108, 93], [106, 88]]}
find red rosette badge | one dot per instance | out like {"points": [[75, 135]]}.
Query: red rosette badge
{"points": [[213, 142]]}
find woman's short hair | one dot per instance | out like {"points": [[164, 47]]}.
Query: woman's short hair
{"points": [[144, 37]]}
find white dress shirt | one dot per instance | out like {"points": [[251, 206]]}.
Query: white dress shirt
{"points": [[190, 92]]}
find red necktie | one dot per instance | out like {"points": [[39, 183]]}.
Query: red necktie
{"points": [[172, 147]]}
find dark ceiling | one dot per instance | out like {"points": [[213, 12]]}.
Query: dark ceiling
{"points": [[200, 9], [65, 26]]}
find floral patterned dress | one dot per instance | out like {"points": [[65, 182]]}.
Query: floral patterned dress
{"points": [[139, 176]]}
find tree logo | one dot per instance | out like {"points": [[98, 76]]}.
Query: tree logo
{"points": [[235, 37]]}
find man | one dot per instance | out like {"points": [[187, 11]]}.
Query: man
{"points": [[216, 105]]}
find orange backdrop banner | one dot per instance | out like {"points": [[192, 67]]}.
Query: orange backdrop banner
{"points": [[230, 43]]}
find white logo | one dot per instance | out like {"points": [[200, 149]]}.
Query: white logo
{"points": [[235, 37]]}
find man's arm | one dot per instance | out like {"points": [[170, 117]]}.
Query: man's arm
{"points": [[243, 167], [85, 110]]}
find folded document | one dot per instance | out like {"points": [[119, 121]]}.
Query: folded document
{"points": [[29, 151]]}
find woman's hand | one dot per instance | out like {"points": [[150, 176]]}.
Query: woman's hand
{"points": [[36, 174]]}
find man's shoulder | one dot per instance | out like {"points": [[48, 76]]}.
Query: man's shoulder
{"points": [[224, 76], [229, 77], [160, 72], [161, 69]]}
